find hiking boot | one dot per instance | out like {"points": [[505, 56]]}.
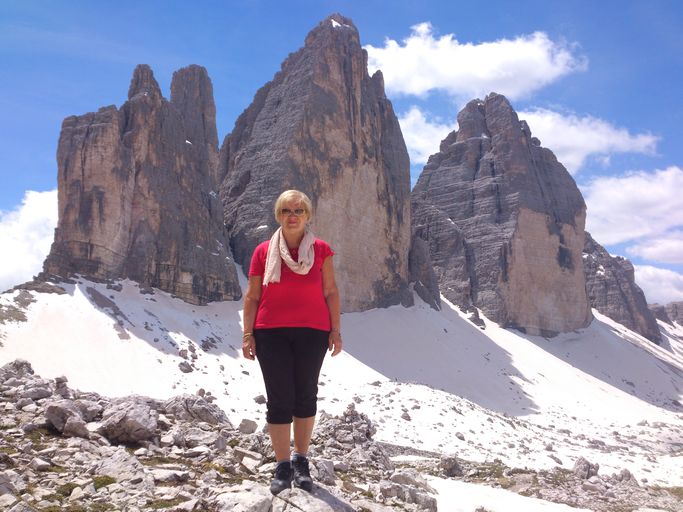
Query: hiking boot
{"points": [[302, 476], [283, 477]]}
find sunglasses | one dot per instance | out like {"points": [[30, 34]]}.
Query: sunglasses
{"points": [[297, 211]]}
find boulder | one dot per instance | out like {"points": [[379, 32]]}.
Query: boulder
{"points": [[129, 421], [193, 407]]}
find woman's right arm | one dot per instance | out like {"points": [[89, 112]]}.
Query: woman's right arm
{"points": [[251, 300]]}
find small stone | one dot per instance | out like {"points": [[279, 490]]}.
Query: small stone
{"points": [[247, 426], [39, 464]]}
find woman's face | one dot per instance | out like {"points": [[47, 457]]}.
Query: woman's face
{"points": [[289, 220]]}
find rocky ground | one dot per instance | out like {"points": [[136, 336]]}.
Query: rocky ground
{"points": [[63, 449]]}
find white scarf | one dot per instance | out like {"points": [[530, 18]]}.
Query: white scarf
{"points": [[278, 251]]}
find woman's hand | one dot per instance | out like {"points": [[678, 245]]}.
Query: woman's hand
{"points": [[335, 343], [249, 347]]}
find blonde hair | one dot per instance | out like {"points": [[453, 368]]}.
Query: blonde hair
{"points": [[293, 196]]}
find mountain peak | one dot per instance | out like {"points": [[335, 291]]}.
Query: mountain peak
{"points": [[143, 81], [333, 29]]}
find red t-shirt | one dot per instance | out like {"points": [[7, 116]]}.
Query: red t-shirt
{"points": [[297, 300]]}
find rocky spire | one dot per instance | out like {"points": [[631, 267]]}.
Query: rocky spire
{"points": [[504, 222], [143, 82], [612, 290], [674, 311], [324, 126], [192, 96], [136, 194]]}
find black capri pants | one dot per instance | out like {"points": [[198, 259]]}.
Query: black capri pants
{"points": [[290, 360]]}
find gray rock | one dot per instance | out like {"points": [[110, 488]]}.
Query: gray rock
{"points": [[295, 500], [450, 466], [17, 369], [324, 471], [612, 290], [121, 466], [248, 497], [422, 274], [185, 367], [247, 426], [76, 427], [192, 407], [38, 464], [324, 126], [11, 482], [22, 507], [129, 421], [59, 412], [584, 469], [90, 410], [138, 192], [504, 223], [674, 311]]}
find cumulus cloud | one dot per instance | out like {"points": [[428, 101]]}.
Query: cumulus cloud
{"points": [[422, 134], [515, 67], [667, 248], [636, 206], [25, 236], [574, 138], [659, 285]]}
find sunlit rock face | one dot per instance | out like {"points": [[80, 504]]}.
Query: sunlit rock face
{"points": [[504, 222], [137, 192], [324, 126]]}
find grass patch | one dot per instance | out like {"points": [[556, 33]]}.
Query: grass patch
{"points": [[159, 504], [56, 469], [557, 476], [103, 481], [157, 459], [66, 489], [674, 491]]}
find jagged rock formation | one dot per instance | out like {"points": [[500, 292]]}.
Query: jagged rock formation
{"points": [[660, 313], [138, 192], [322, 125], [675, 311], [612, 290], [504, 222]]}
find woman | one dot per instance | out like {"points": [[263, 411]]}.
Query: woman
{"points": [[291, 318]]}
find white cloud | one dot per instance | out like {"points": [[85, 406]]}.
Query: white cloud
{"points": [[636, 206], [574, 139], [513, 67], [667, 248], [422, 135], [25, 236], [659, 285]]}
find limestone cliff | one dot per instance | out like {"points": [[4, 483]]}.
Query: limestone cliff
{"points": [[504, 222], [612, 290], [137, 192], [324, 126]]}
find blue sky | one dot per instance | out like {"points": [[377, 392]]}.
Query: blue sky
{"points": [[599, 83]]}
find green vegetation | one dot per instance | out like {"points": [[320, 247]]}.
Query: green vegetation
{"points": [[159, 504], [66, 489], [103, 481]]}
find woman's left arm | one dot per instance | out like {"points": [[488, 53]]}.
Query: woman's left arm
{"points": [[331, 294]]}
